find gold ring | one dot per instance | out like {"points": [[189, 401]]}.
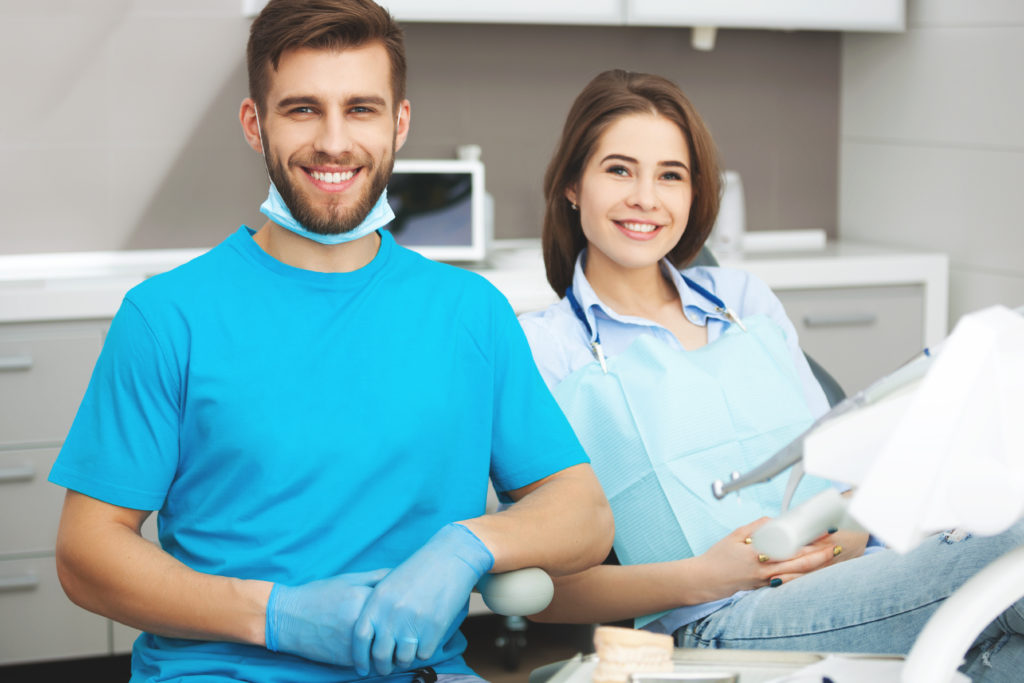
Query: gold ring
{"points": [[761, 557], [748, 540], [836, 550]]}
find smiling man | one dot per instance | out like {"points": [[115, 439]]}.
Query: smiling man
{"points": [[314, 412]]}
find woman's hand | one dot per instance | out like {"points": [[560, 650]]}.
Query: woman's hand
{"points": [[734, 564], [838, 546]]}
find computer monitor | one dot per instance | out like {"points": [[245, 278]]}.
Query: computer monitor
{"points": [[439, 207]]}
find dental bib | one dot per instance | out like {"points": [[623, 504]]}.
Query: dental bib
{"points": [[662, 424], [276, 210]]}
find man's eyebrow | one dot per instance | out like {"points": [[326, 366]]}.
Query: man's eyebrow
{"points": [[366, 99], [298, 100], [631, 160], [306, 100]]}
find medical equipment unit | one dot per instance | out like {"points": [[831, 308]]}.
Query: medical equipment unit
{"points": [[441, 208], [986, 349]]}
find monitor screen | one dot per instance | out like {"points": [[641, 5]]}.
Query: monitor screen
{"points": [[439, 208]]}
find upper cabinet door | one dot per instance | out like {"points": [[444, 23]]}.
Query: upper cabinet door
{"points": [[509, 11], [496, 11], [828, 15]]}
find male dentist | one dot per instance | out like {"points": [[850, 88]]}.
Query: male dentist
{"points": [[315, 412]]}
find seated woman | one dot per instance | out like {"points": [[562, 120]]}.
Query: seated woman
{"points": [[673, 377]]}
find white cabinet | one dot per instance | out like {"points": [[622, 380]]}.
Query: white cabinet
{"points": [[858, 334], [494, 11], [835, 15], [37, 621], [44, 369], [509, 12]]}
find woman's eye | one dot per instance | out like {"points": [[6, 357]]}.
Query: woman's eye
{"points": [[617, 170], [671, 175]]}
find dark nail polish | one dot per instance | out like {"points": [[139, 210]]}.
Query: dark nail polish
{"points": [[775, 583], [832, 529]]}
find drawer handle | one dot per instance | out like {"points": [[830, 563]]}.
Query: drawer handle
{"points": [[12, 363], [25, 582], [839, 319], [17, 473]]}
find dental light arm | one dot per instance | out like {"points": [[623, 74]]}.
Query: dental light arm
{"points": [[793, 452]]}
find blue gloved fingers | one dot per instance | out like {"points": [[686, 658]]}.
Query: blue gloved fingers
{"points": [[383, 652], [316, 620], [370, 578], [424, 596], [405, 652]]}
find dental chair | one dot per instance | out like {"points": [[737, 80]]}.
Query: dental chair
{"points": [[833, 392]]}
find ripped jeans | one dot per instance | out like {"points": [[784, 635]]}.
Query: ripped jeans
{"points": [[876, 604]]}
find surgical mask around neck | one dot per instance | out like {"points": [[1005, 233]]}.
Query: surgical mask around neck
{"points": [[276, 210]]}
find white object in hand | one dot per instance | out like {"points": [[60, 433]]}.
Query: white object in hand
{"points": [[517, 593], [784, 536]]}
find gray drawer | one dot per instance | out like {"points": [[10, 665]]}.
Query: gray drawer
{"points": [[29, 505], [38, 622], [858, 333], [44, 370]]}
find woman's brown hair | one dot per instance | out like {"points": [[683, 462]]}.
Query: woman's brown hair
{"points": [[608, 97], [325, 25]]}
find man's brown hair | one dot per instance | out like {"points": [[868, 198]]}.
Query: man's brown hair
{"points": [[323, 25]]}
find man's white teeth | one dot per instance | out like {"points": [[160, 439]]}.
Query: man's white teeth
{"points": [[640, 227], [336, 177]]}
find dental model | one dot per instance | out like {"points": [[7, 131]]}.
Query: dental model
{"points": [[625, 651]]}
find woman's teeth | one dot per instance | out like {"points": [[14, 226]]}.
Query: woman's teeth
{"points": [[336, 177], [639, 227]]}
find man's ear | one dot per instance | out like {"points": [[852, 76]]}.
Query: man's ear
{"points": [[248, 116], [402, 124]]}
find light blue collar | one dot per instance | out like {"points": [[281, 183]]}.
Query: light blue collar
{"points": [[693, 300]]}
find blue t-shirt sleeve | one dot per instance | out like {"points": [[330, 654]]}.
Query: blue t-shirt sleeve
{"points": [[123, 444], [532, 437]]}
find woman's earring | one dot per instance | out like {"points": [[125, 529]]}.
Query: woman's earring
{"points": [[574, 207]]}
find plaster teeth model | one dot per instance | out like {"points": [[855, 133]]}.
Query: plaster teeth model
{"points": [[624, 651]]}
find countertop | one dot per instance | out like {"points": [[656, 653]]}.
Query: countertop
{"points": [[90, 285]]}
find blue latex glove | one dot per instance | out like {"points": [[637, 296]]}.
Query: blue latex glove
{"points": [[413, 607], [315, 620]]}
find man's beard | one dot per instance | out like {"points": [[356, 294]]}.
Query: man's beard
{"points": [[335, 219]]}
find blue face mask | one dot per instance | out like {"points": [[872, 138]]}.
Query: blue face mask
{"points": [[276, 210]]}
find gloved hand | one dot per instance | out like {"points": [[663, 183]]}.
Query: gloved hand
{"points": [[315, 620], [413, 607]]}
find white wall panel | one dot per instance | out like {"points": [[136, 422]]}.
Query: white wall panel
{"points": [[962, 201], [971, 290], [955, 85], [964, 12]]}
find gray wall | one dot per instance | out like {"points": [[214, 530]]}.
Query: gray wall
{"points": [[120, 131], [932, 152]]}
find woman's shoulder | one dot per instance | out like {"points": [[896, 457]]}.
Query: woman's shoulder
{"points": [[552, 333], [740, 289], [553, 323]]}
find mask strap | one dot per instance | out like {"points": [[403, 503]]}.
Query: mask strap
{"points": [[259, 131]]}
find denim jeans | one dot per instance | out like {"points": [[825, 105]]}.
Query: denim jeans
{"points": [[875, 604]]}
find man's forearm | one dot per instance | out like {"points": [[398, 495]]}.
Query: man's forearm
{"points": [[562, 524], [107, 567]]}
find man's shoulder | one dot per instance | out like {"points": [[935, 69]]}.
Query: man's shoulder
{"points": [[183, 283], [446, 279]]}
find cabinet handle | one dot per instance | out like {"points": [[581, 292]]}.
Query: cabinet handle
{"points": [[17, 473], [11, 363], [839, 319], [25, 582]]}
